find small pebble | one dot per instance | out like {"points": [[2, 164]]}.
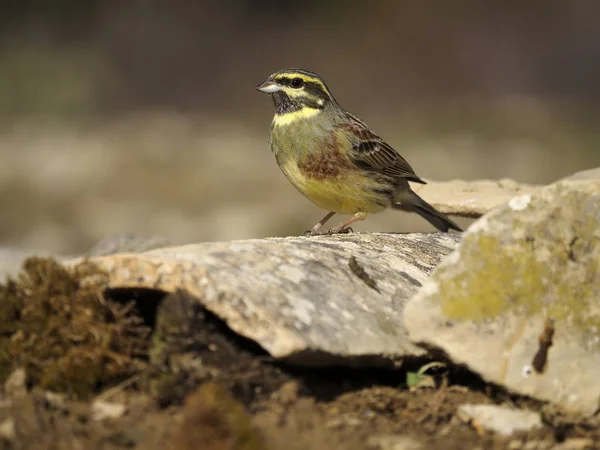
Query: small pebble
{"points": [[500, 419], [288, 392], [7, 429], [15, 383], [393, 442], [105, 410]]}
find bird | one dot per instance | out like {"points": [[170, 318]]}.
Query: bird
{"points": [[335, 159]]}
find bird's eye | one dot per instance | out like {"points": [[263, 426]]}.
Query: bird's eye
{"points": [[297, 82]]}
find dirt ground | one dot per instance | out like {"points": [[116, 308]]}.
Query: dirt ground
{"points": [[200, 386]]}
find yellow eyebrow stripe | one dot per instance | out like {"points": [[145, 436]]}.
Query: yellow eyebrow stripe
{"points": [[306, 78], [285, 119]]}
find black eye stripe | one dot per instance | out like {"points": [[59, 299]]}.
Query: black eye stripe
{"points": [[316, 89], [294, 82], [313, 88]]}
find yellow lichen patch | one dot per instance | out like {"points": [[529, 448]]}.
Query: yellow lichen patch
{"points": [[534, 266], [56, 324], [503, 280]]}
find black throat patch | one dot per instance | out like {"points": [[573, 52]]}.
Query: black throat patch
{"points": [[285, 104]]}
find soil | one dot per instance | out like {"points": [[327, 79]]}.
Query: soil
{"points": [[201, 386]]}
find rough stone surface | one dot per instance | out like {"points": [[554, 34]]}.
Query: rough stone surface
{"points": [[500, 419], [519, 301], [306, 299], [470, 198]]}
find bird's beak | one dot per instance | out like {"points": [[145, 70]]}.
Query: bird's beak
{"points": [[268, 86]]}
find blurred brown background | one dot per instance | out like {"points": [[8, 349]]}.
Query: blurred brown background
{"points": [[141, 115]]}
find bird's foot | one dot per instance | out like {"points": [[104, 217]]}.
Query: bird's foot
{"points": [[316, 230], [338, 230], [313, 232], [320, 232]]}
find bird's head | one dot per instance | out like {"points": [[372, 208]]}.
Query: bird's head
{"points": [[295, 90]]}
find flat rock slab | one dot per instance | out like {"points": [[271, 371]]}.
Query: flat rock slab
{"points": [[519, 301], [311, 300], [470, 198]]}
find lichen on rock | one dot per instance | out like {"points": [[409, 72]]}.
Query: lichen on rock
{"points": [[541, 259], [531, 262]]}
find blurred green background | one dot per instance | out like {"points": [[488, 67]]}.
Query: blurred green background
{"points": [[141, 115]]}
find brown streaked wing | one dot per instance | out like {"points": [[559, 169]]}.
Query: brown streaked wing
{"points": [[369, 149]]}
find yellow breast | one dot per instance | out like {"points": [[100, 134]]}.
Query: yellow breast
{"points": [[348, 192]]}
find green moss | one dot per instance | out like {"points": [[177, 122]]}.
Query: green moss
{"points": [[549, 266], [56, 324]]}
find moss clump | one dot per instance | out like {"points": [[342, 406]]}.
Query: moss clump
{"points": [[213, 419], [56, 323]]}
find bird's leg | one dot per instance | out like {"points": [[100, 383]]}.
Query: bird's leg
{"points": [[343, 227], [317, 228]]}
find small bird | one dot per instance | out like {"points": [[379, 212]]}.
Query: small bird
{"points": [[334, 159]]}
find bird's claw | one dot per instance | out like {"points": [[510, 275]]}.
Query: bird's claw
{"points": [[315, 232], [330, 232], [346, 230]]}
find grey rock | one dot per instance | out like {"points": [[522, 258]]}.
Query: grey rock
{"points": [[128, 243], [470, 198], [500, 419], [519, 301], [319, 300]]}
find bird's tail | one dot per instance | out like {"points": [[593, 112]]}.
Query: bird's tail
{"points": [[413, 203]]}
